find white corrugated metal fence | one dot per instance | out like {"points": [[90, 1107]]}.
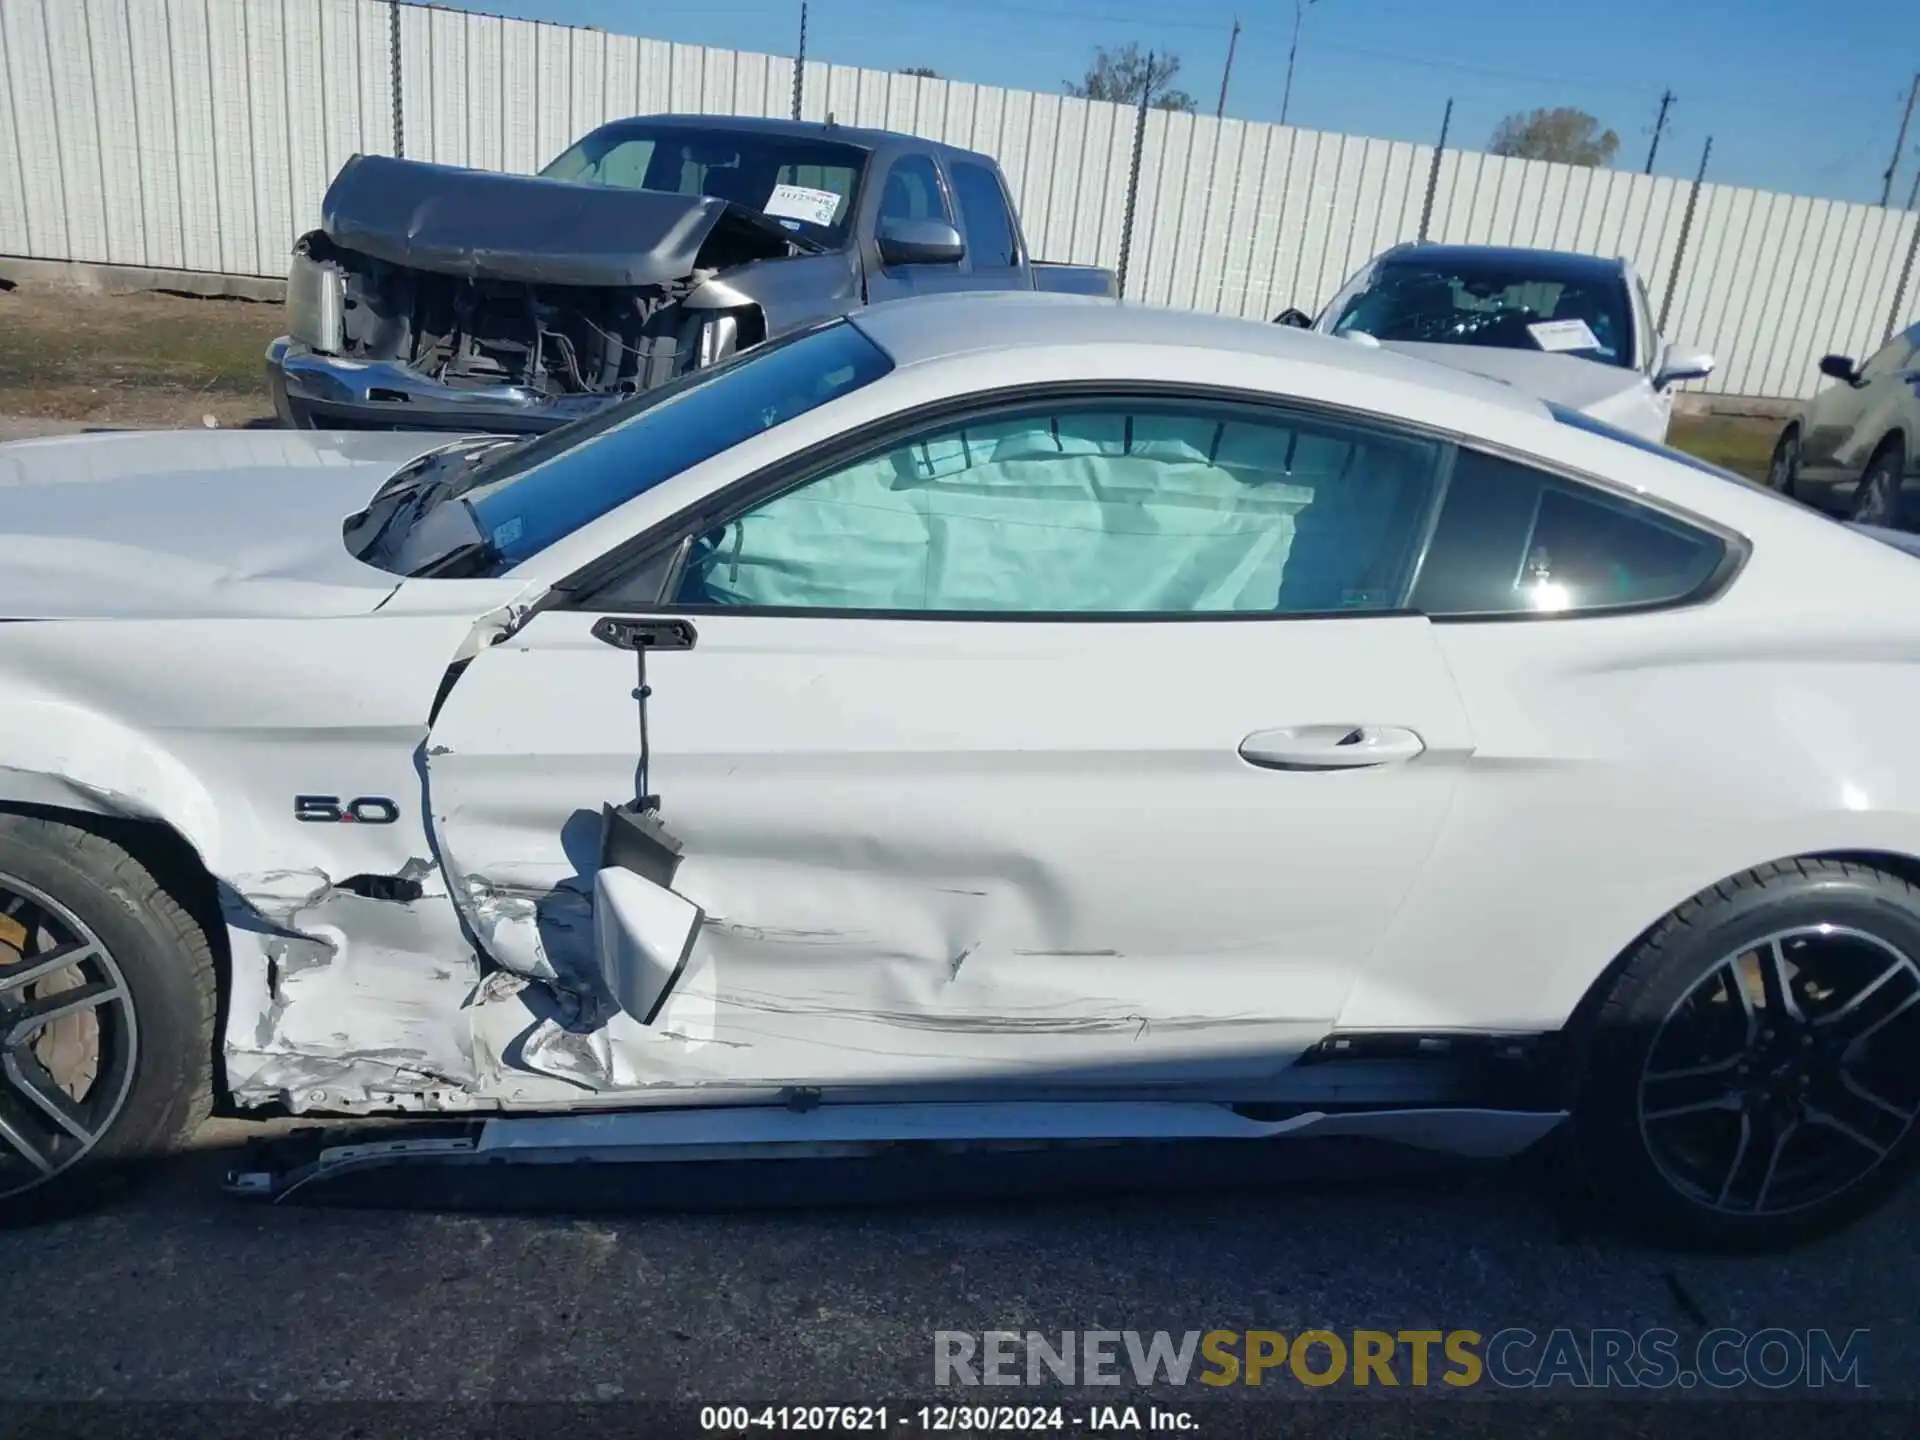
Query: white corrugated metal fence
{"points": [[201, 134]]}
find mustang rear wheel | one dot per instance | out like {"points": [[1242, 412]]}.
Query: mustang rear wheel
{"points": [[1752, 1078], [106, 1017]]}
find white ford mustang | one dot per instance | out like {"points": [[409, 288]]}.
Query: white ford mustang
{"points": [[981, 719]]}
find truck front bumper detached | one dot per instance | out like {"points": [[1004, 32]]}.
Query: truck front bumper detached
{"points": [[312, 391]]}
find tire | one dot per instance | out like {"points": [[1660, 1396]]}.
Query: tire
{"points": [[1878, 499], [1657, 1063], [150, 1006], [1783, 471]]}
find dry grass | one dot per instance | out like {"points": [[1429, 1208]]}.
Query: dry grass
{"points": [[1740, 443], [133, 360], [162, 360]]}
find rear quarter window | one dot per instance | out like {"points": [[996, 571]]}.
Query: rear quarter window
{"points": [[1512, 541]]}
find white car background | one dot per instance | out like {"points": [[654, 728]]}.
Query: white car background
{"points": [[1060, 720], [1574, 329]]}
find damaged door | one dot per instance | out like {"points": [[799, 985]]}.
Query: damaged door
{"points": [[1083, 743]]}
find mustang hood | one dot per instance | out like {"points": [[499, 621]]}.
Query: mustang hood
{"points": [[484, 225], [184, 523], [1602, 391]]}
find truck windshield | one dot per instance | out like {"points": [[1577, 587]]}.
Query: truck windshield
{"points": [[804, 185], [525, 497]]}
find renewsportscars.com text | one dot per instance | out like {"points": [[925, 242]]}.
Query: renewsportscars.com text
{"points": [[1511, 1358]]}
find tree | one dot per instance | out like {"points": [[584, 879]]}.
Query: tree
{"points": [[1564, 134], [925, 72], [1121, 75]]}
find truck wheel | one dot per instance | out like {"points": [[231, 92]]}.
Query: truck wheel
{"points": [[107, 998], [1749, 1080], [1880, 497]]}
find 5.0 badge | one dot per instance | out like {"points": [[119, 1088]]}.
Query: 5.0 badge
{"points": [[330, 810]]}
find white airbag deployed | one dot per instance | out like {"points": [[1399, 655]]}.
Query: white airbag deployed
{"points": [[1096, 512]]}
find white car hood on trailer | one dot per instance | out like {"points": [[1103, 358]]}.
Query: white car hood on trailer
{"points": [[1607, 392], [183, 523]]}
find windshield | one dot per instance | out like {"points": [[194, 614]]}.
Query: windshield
{"points": [[525, 497], [1494, 302], [807, 186]]}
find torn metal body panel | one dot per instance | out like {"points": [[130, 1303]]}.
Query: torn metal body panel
{"points": [[849, 936], [349, 969]]}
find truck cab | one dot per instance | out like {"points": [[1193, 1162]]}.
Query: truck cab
{"points": [[439, 297]]}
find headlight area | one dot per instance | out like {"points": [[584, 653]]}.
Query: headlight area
{"points": [[316, 303]]}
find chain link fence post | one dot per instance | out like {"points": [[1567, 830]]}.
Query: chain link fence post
{"points": [[393, 61], [1686, 230], [800, 62], [1133, 179], [1906, 269], [1433, 171]]}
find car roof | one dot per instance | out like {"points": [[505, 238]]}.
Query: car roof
{"points": [[937, 327], [1568, 263], [797, 129]]}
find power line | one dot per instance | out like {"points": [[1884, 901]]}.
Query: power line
{"points": [[1266, 27], [1043, 12], [1667, 98], [1472, 67]]}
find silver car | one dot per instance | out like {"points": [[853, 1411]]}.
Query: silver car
{"points": [[1855, 446]]}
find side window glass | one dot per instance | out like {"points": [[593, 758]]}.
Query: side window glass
{"points": [[983, 206], [1512, 540], [912, 191], [1118, 509]]}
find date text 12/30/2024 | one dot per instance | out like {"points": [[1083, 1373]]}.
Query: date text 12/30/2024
{"points": [[940, 1419]]}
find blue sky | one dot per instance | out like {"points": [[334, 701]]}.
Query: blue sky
{"points": [[1798, 95]]}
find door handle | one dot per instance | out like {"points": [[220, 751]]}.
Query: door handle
{"points": [[1330, 747], [625, 634]]}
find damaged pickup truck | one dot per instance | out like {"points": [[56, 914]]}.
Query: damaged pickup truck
{"points": [[981, 722], [433, 297]]}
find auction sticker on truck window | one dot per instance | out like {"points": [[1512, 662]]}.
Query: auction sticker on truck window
{"points": [[797, 202], [1564, 335]]}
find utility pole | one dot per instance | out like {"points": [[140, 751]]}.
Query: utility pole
{"points": [[1286, 96], [1660, 123], [1233, 40], [1906, 118], [800, 60]]}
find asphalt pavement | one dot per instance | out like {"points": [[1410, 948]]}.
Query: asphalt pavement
{"points": [[181, 1292]]}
